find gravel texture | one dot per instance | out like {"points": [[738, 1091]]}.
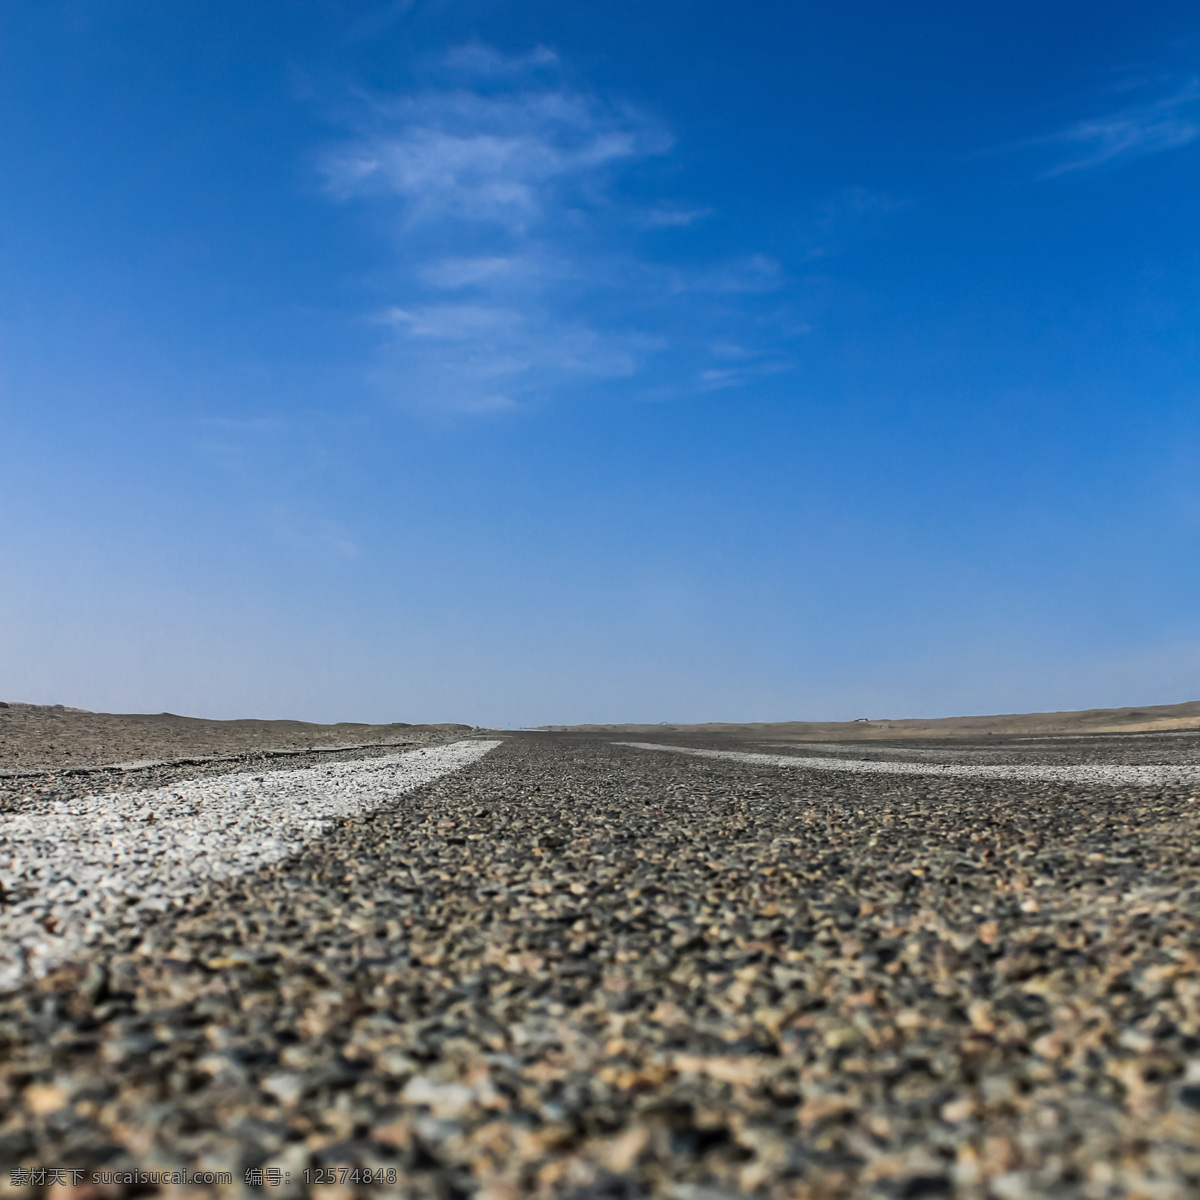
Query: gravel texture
{"points": [[72, 866], [1139, 749], [579, 970]]}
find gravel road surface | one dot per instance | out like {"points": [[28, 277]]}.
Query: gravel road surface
{"points": [[71, 866], [584, 970]]}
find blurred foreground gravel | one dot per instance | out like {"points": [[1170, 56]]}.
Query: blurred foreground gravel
{"points": [[72, 866], [575, 969]]}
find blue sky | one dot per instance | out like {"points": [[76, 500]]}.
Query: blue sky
{"points": [[522, 363]]}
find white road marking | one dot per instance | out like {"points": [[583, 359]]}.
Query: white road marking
{"points": [[840, 748], [72, 868], [1116, 775]]}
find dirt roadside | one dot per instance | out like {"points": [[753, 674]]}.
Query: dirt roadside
{"points": [[36, 738]]}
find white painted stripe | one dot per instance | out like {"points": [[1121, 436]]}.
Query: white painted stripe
{"points": [[70, 869], [1114, 774]]}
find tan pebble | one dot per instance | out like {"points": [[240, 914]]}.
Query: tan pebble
{"points": [[622, 1152], [820, 1107], [772, 1019], [498, 1189], [492, 1141], [998, 1155], [980, 1015], [861, 999], [669, 1014], [332, 1191], [534, 1142], [723, 1069], [753, 1175], [879, 1125], [300, 1057], [1051, 1045], [44, 1098], [396, 1134]]}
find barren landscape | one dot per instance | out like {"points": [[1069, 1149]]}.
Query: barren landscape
{"points": [[622, 963], [676, 432], [39, 738], [1147, 719]]}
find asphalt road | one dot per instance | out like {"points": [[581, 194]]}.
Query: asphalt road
{"points": [[579, 969]]}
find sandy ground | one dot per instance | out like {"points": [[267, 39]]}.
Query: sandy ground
{"points": [[43, 738]]}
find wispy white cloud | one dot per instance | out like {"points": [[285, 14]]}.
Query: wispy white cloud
{"points": [[717, 379], [519, 265], [478, 60], [463, 271], [1165, 123], [455, 322], [505, 159]]}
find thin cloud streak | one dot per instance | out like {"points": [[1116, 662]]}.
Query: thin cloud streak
{"points": [[519, 272], [502, 160], [1167, 123], [481, 61]]}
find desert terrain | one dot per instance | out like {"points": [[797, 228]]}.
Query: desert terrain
{"points": [[1147, 719], [36, 737], [637, 961]]}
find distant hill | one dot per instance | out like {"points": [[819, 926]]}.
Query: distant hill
{"points": [[40, 707], [49, 736]]}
